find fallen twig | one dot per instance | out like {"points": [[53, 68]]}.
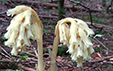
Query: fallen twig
{"points": [[3, 12], [20, 65], [5, 51], [103, 45], [46, 54], [33, 59], [100, 25], [36, 52], [5, 55], [14, 61], [101, 60], [108, 62], [31, 54], [25, 68], [60, 65]]}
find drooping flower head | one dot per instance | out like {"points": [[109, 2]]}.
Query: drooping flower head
{"points": [[76, 37], [23, 27]]}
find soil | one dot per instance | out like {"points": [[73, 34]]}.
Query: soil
{"points": [[102, 59]]}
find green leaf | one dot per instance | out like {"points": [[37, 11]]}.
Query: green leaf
{"points": [[110, 65], [20, 69], [98, 35], [46, 11], [85, 2], [3, 38], [50, 10], [8, 70], [1, 63], [26, 56], [84, 60], [23, 52], [103, 12], [22, 58], [19, 60], [67, 12], [4, 1], [45, 31], [99, 48]]}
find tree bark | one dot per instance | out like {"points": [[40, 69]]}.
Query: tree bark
{"points": [[60, 9]]}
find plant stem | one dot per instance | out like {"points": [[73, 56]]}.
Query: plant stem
{"points": [[54, 53], [40, 50], [40, 55]]}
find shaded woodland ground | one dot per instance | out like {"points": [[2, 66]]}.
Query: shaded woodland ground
{"points": [[102, 58]]}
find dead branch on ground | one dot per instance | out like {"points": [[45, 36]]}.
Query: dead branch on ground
{"points": [[103, 45], [15, 62], [100, 60]]}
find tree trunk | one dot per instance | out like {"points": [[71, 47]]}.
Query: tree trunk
{"points": [[60, 9]]}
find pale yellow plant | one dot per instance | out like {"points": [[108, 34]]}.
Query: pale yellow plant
{"points": [[76, 37], [24, 26]]}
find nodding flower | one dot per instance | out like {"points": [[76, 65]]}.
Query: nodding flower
{"points": [[76, 37], [23, 27]]}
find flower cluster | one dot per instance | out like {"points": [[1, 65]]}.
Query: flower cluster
{"points": [[76, 37], [23, 27]]}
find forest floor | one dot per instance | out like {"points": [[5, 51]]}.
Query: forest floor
{"points": [[102, 58]]}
